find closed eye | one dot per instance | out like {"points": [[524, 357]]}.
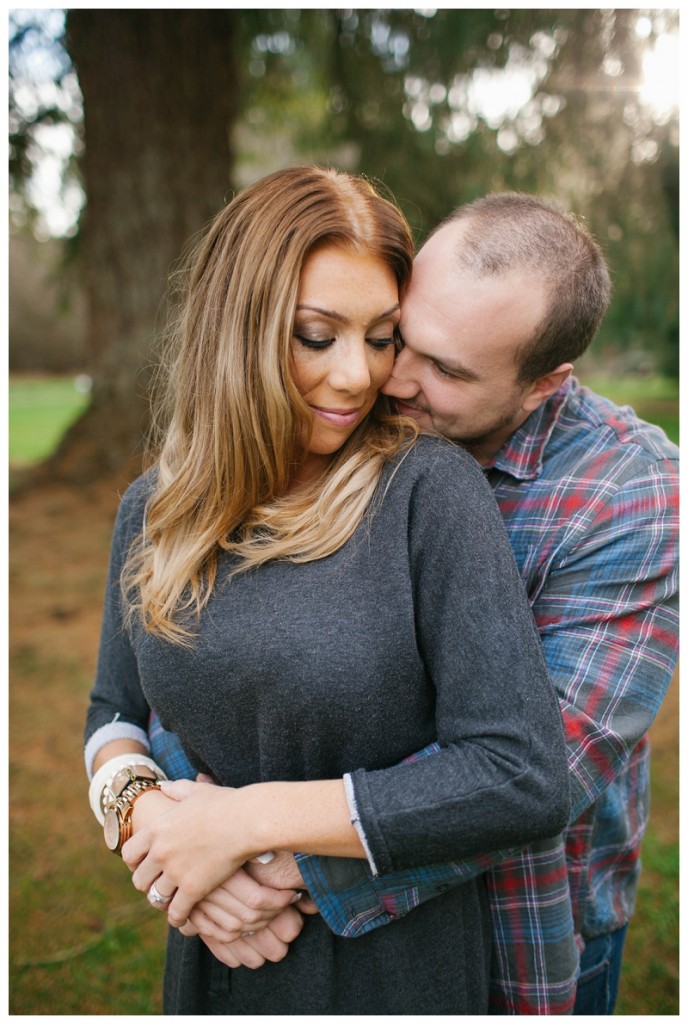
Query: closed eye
{"points": [[458, 373], [380, 343], [314, 343], [443, 372]]}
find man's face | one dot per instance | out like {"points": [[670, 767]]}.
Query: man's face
{"points": [[457, 372]]}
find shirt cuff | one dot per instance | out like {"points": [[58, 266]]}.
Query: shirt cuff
{"points": [[114, 730], [356, 821]]}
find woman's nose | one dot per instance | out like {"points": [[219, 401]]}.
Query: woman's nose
{"points": [[351, 371]]}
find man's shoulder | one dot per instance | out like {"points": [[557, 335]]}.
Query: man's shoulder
{"points": [[593, 431]]}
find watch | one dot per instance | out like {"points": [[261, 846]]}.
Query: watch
{"points": [[127, 786], [122, 778]]}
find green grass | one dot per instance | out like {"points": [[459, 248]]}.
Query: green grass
{"points": [[40, 411], [650, 969]]}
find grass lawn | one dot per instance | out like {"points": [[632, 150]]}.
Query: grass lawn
{"points": [[40, 411]]}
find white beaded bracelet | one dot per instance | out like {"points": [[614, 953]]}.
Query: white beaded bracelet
{"points": [[102, 779]]}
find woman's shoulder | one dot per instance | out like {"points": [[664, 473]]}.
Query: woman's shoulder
{"points": [[441, 488], [139, 490], [134, 499], [432, 459]]}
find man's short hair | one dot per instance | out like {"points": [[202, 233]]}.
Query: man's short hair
{"points": [[511, 230]]}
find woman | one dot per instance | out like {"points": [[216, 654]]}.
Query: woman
{"points": [[306, 593]]}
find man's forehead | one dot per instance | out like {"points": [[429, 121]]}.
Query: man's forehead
{"points": [[472, 334]]}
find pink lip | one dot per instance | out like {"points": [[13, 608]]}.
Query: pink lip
{"points": [[340, 417]]}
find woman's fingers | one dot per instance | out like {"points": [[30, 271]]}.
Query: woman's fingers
{"points": [[160, 899], [188, 930], [192, 846]]}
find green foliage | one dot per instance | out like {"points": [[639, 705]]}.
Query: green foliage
{"points": [[393, 93]]}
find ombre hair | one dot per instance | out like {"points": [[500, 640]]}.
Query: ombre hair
{"points": [[233, 417]]}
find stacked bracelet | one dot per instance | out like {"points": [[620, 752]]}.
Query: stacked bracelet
{"points": [[128, 785], [100, 792]]}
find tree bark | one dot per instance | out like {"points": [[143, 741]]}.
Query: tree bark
{"points": [[160, 91]]}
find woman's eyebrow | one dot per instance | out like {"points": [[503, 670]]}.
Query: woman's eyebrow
{"points": [[338, 316]]}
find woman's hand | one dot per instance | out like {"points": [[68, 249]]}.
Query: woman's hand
{"points": [[192, 847], [271, 943], [213, 831], [149, 806]]}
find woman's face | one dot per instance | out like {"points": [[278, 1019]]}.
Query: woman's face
{"points": [[342, 347]]}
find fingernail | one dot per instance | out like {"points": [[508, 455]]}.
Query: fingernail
{"points": [[297, 896]]}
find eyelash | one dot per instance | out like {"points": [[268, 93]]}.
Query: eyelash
{"points": [[377, 343], [444, 374], [313, 342]]}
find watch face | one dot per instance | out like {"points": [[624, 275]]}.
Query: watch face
{"points": [[111, 829], [130, 773]]}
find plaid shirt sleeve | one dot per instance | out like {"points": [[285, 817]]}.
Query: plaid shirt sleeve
{"points": [[608, 619]]}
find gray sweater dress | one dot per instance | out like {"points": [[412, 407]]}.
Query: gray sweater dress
{"points": [[417, 629]]}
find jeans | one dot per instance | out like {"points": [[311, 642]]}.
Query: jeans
{"points": [[599, 976]]}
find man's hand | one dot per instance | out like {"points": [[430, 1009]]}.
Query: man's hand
{"points": [[282, 873]]}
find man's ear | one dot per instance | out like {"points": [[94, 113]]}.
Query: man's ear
{"points": [[542, 388]]}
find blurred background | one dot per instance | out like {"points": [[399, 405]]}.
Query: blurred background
{"points": [[128, 131]]}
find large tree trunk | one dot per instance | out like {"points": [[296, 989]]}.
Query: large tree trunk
{"points": [[160, 92]]}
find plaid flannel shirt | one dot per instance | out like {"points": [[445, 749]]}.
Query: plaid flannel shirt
{"points": [[589, 495]]}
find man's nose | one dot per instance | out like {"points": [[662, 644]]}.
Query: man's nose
{"points": [[402, 382]]}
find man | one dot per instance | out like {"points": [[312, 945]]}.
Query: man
{"points": [[505, 295]]}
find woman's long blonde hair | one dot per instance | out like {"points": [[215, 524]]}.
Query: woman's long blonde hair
{"points": [[234, 417]]}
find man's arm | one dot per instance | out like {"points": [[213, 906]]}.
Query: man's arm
{"points": [[608, 618], [607, 613]]}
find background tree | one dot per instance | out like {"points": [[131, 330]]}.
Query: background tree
{"points": [[441, 106], [160, 96]]}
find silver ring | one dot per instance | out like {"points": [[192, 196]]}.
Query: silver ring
{"points": [[156, 899]]}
